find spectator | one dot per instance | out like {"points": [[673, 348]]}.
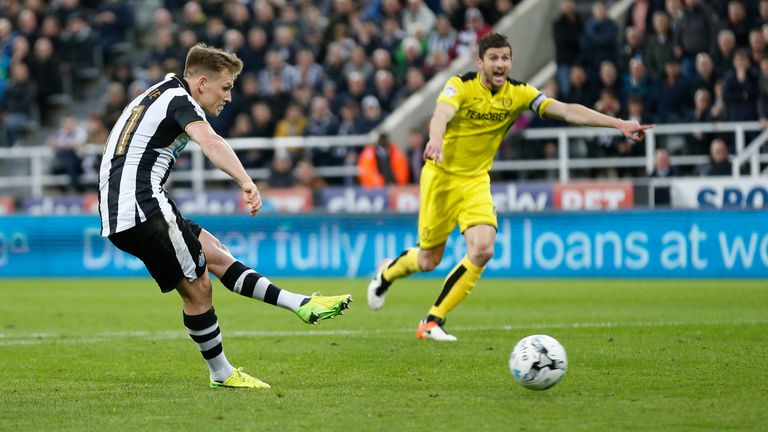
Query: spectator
{"points": [[415, 153], [697, 143], [79, 48], [275, 68], [285, 44], [163, 47], [740, 89], [335, 60], [640, 15], [694, 33], [757, 46], [414, 81], [51, 29], [358, 63], [567, 31], [384, 89], [350, 115], [435, 62], [705, 73], [242, 127], [356, 87], [673, 95], [233, 41], [372, 114], [309, 71], [417, 18], [598, 42], [738, 23], [606, 144], [27, 25], [636, 110], [18, 103], [255, 50], [762, 14], [637, 82], [660, 46], [581, 90], [293, 124], [97, 134], [719, 163], [281, 171], [67, 142], [307, 177], [382, 164], [608, 78], [410, 54], [762, 96], [633, 47], [113, 21], [382, 60], [718, 105], [391, 35], [237, 17], [116, 100], [262, 126], [321, 121], [725, 49], [474, 29], [96, 130], [193, 18], [662, 169], [443, 37], [45, 69]]}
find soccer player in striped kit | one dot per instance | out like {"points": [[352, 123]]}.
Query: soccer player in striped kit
{"points": [[139, 218]]}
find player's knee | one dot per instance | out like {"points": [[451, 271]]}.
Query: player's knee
{"points": [[428, 263], [481, 255]]}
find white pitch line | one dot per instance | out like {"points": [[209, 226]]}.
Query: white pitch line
{"points": [[16, 339]]}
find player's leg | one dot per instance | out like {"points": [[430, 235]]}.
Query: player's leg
{"points": [[411, 261], [464, 276], [243, 280], [477, 221], [437, 218], [203, 327], [168, 245]]}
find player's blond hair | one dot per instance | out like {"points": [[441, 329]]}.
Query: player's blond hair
{"points": [[205, 60]]}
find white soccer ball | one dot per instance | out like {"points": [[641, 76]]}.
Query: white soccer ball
{"points": [[538, 362]]}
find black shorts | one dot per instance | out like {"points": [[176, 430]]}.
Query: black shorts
{"points": [[171, 249]]}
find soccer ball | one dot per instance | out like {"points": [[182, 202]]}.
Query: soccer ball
{"points": [[538, 362]]}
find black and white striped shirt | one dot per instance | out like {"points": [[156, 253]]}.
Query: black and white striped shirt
{"points": [[140, 152]]}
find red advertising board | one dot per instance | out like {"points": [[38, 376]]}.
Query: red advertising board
{"points": [[404, 199], [7, 206], [594, 196], [287, 200]]}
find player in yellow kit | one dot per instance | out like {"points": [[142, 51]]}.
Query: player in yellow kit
{"points": [[473, 114]]}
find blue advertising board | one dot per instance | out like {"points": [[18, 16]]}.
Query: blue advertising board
{"points": [[622, 244]]}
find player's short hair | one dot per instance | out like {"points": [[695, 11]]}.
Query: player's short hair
{"points": [[493, 40], [205, 60]]}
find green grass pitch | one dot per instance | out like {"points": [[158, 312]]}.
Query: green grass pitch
{"points": [[654, 355]]}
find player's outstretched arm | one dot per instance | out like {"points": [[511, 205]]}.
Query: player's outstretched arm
{"points": [[583, 116], [221, 154], [437, 125]]}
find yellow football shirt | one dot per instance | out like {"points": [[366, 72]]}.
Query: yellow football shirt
{"points": [[482, 120]]}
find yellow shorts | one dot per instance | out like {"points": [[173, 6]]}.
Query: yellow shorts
{"points": [[448, 200]]}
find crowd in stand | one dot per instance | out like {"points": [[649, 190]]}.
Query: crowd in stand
{"points": [[338, 67], [331, 67], [676, 61]]}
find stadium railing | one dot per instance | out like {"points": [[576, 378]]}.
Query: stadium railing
{"points": [[25, 171]]}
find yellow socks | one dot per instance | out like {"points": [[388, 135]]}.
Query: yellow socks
{"points": [[457, 285]]}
